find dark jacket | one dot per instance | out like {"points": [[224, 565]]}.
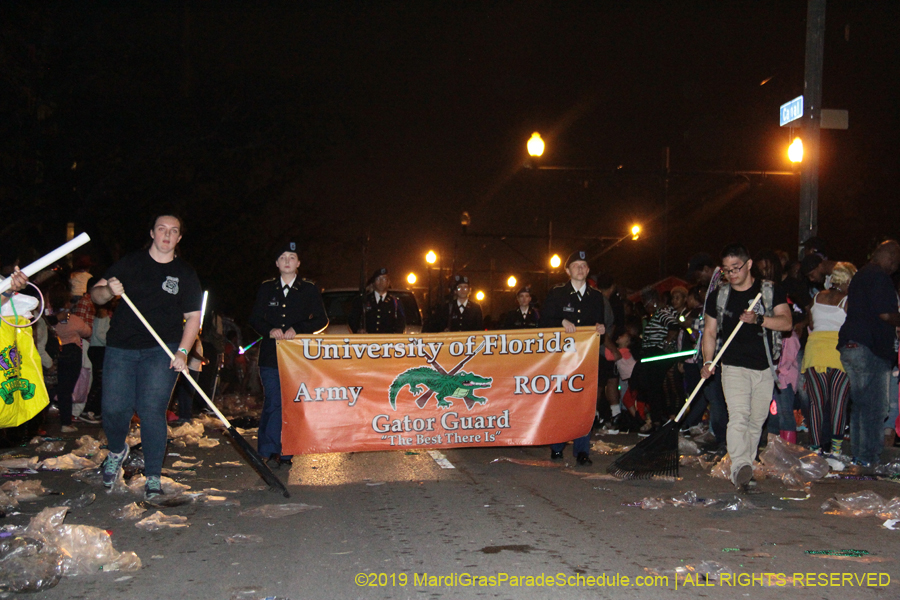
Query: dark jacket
{"points": [[563, 303], [386, 316], [469, 319], [302, 309], [514, 319]]}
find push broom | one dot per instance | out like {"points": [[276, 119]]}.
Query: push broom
{"points": [[244, 448], [657, 454]]}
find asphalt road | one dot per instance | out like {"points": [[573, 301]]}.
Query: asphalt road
{"points": [[397, 521]]}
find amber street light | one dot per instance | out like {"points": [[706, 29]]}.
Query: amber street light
{"points": [[795, 150], [555, 261], [431, 257], [479, 295], [411, 278], [511, 282], [535, 145], [635, 232]]}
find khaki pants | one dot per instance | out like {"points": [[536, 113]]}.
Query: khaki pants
{"points": [[748, 394]]}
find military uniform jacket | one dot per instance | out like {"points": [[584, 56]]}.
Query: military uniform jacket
{"points": [[514, 319], [470, 319], [386, 316], [563, 303], [302, 309]]}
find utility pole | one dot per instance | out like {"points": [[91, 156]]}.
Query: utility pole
{"points": [[812, 95], [663, 265]]}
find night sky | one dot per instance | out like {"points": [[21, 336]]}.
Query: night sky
{"points": [[330, 122]]}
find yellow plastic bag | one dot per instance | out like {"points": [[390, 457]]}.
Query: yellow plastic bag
{"points": [[22, 390]]}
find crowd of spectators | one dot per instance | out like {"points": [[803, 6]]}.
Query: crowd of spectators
{"points": [[836, 372], [70, 338]]}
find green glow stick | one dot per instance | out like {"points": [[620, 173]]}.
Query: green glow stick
{"points": [[665, 356]]}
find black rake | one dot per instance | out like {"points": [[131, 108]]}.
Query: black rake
{"points": [[657, 454]]}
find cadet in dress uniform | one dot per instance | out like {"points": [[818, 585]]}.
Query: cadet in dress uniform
{"points": [[383, 310], [525, 316], [461, 313], [284, 307], [570, 305]]}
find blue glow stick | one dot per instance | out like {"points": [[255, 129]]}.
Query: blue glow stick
{"points": [[248, 346]]}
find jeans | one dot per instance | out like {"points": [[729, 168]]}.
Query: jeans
{"points": [[93, 404], [710, 395], [67, 372], [580, 445], [783, 420], [138, 381], [748, 393], [893, 408], [869, 377], [269, 433]]}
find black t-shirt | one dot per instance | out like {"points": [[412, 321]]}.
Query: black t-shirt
{"points": [[163, 292], [871, 293], [747, 349]]}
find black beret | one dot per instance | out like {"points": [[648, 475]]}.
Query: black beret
{"points": [[378, 273], [288, 247], [577, 255], [457, 280]]}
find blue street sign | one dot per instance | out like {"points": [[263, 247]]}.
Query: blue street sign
{"points": [[791, 111]]}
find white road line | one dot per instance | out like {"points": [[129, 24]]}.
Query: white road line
{"points": [[440, 459]]}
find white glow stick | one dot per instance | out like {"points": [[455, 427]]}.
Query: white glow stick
{"points": [[203, 309], [48, 259]]}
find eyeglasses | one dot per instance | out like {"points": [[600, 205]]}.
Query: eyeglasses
{"points": [[734, 271]]}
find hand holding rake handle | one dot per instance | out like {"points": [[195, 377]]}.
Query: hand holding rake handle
{"points": [[715, 360], [252, 455]]}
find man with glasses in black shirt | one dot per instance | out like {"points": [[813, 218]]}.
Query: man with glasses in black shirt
{"points": [[747, 377]]}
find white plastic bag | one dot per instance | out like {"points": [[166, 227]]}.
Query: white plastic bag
{"points": [[85, 549], [158, 521]]}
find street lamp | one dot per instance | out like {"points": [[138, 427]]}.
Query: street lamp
{"points": [[511, 282], [535, 145], [430, 258], [555, 261], [635, 231], [795, 151], [479, 295], [411, 278]]}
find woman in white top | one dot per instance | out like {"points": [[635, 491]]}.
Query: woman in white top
{"points": [[826, 382]]}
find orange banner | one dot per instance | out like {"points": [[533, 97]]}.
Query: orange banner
{"points": [[445, 390]]}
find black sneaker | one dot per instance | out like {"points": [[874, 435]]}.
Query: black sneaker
{"points": [[583, 459], [111, 466], [554, 455], [623, 421]]}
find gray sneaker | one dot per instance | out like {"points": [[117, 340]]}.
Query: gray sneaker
{"points": [[111, 466], [153, 487]]}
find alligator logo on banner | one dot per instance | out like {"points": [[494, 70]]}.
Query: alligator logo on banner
{"points": [[461, 385], [441, 383]]}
